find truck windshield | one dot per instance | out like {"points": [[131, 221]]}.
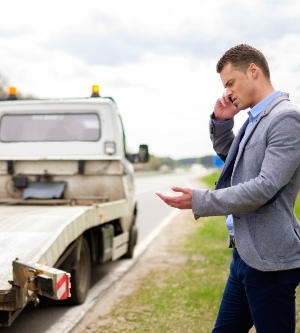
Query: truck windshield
{"points": [[50, 127]]}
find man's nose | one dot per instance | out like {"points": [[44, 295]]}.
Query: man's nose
{"points": [[228, 92]]}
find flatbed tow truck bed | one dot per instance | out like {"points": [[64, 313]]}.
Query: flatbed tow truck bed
{"points": [[42, 233]]}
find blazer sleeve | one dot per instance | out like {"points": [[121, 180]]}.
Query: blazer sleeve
{"points": [[221, 135], [281, 159]]}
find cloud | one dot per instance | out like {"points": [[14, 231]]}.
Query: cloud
{"points": [[259, 26], [122, 83], [113, 49], [6, 34], [118, 48], [110, 43]]}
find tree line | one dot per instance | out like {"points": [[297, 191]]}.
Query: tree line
{"points": [[156, 163]]}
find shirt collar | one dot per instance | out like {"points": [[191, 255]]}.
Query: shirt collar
{"points": [[256, 110]]}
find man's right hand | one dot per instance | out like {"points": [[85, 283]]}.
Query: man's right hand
{"points": [[224, 109]]}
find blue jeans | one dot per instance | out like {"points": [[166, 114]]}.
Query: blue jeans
{"points": [[263, 299]]}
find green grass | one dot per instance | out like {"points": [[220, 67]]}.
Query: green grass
{"points": [[183, 297], [211, 179], [297, 207]]}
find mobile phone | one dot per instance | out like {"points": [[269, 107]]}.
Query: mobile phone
{"points": [[232, 101]]}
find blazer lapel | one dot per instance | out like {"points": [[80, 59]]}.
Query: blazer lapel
{"points": [[233, 151]]}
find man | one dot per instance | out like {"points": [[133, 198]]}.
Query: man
{"points": [[256, 191]]}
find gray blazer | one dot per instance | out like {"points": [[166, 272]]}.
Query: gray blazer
{"points": [[259, 185]]}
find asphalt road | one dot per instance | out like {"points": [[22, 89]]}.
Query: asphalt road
{"points": [[55, 317]]}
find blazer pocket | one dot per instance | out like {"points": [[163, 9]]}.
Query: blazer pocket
{"points": [[297, 233], [274, 237]]}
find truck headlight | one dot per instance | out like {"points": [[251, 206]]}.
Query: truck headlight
{"points": [[109, 147]]}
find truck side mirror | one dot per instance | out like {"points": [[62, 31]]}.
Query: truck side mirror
{"points": [[141, 157], [143, 154]]}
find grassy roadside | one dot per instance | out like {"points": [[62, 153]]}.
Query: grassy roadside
{"points": [[182, 297]]}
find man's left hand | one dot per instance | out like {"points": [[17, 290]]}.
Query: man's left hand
{"points": [[183, 201]]}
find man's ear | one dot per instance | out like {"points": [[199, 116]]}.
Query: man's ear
{"points": [[253, 70]]}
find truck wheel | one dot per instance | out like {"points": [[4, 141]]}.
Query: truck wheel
{"points": [[81, 274], [132, 241]]}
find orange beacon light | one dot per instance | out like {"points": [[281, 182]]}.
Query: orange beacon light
{"points": [[12, 93], [95, 91]]}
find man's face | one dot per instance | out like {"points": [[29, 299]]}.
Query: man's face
{"points": [[239, 86]]}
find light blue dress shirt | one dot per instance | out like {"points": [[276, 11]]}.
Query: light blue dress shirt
{"points": [[253, 115]]}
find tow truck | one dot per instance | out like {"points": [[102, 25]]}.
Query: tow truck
{"points": [[66, 197]]}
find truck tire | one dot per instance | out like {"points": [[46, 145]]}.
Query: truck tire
{"points": [[132, 241], [81, 274]]}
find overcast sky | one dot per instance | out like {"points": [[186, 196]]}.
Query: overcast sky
{"points": [[156, 58]]}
